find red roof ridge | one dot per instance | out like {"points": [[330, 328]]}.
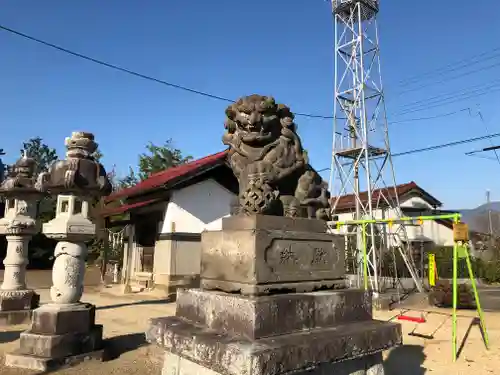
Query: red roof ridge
{"points": [[158, 179], [411, 184], [348, 201]]}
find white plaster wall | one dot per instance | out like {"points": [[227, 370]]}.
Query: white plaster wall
{"points": [[197, 208], [440, 234], [415, 202]]}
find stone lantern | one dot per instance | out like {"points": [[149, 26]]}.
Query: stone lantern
{"points": [[19, 224], [65, 330]]}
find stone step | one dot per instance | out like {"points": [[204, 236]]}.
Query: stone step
{"points": [[272, 355], [257, 317]]}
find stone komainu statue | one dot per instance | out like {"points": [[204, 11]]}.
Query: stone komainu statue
{"points": [[267, 158]]}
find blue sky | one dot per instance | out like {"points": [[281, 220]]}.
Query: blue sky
{"points": [[234, 48]]}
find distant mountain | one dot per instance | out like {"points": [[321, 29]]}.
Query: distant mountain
{"points": [[478, 220]]}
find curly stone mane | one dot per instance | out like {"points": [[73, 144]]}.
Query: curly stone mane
{"points": [[266, 155]]}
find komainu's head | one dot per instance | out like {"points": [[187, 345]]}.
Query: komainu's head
{"points": [[258, 119]]}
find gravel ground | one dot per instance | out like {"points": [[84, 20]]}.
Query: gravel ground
{"points": [[125, 320]]}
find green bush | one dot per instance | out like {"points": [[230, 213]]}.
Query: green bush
{"points": [[489, 272], [392, 264]]}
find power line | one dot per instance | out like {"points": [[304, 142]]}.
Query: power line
{"points": [[493, 147], [112, 66], [436, 82], [431, 117], [445, 145], [170, 84], [454, 66], [437, 147], [457, 98], [451, 95], [134, 73]]}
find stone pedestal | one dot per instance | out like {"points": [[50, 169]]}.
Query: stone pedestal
{"points": [[16, 306], [58, 335], [255, 255], [290, 315]]}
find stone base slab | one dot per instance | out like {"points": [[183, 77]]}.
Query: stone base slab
{"points": [[382, 302], [282, 354], [258, 317], [168, 285], [60, 346], [32, 362], [16, 300], [53, 319], [59, 335], [174, 364], [269, 222], [266, 289], [8, 318]]}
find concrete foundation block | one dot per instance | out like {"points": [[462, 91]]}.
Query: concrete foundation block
{"points": [[60, 335], [174, 364], [233, 355], [52, 319], [30, 362], [8, 318], [59, 346], [17, 300], [257, 317]]}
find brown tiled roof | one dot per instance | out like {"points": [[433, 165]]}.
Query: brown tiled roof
{"points": [[348, 202], [169, 176]]}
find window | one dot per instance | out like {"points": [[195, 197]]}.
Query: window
{"points": [[64, 206], [77, 207]]}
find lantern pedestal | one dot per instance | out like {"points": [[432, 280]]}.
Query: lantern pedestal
{"points": [[59, 335], [16, 306]]}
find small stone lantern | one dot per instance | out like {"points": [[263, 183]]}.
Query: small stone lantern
{"points": [[19, 224], [65, 330]]}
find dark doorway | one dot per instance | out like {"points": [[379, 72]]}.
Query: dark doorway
{"points": [[146, 231]]}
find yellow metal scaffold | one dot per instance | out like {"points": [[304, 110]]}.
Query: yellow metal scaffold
{"points": [[461, 239]]}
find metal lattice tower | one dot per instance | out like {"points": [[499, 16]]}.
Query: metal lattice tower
{"points": [[361, 159]]}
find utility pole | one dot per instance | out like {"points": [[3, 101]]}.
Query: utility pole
{"points": [[490, 223]]}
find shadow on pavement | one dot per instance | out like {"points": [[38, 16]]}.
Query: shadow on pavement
{"points": [[116, 346], [407, 359], [135, 303], [9, 336], [474, 322]]}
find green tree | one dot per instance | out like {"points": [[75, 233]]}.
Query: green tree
{"points": [[154, 160], [41, 249], [44, 155], [129, 180], [159, 158], [98, 155]]}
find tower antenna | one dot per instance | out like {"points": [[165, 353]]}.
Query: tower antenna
{"points": [[361, 158]]}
